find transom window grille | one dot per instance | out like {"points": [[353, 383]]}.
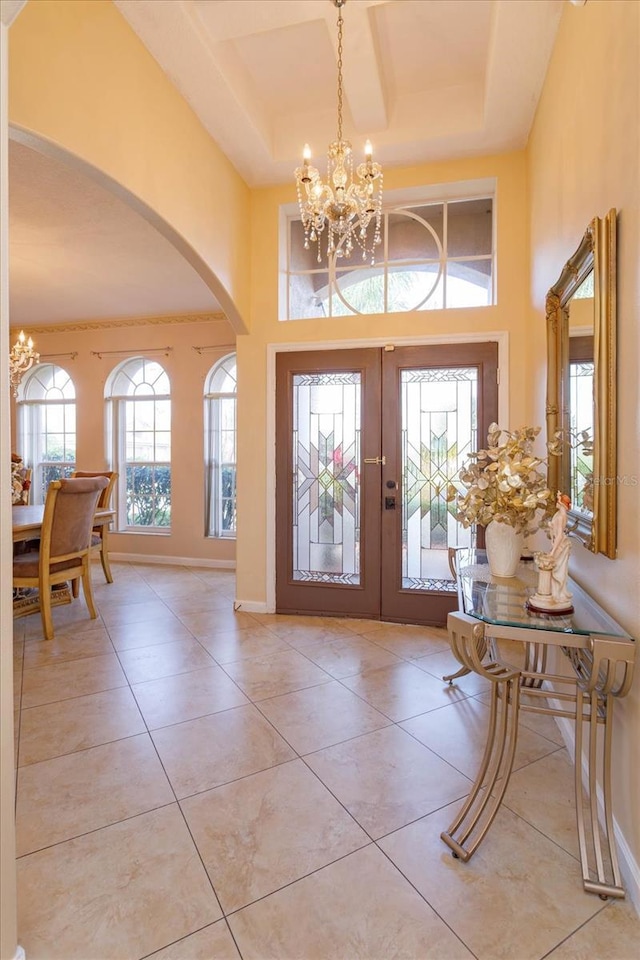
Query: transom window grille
{"points": [[433, 256], [220, 448], [140, 397], [47, 426]]}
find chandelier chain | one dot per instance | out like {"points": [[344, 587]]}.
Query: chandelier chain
{"points": [[340, 22]]}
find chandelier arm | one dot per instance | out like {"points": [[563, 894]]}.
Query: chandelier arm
{"points": [[22, 357]]}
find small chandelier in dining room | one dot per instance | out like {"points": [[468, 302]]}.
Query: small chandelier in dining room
{"points": [[21, 358], [342, 206]]}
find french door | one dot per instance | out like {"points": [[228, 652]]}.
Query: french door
{"points": [[367, 442]]}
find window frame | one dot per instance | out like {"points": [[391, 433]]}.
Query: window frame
{"points": [[117, 409], [213, 462], [394, 200], [31, 430]]}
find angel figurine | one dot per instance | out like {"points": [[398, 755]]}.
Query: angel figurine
{"points": [[552, 595]]}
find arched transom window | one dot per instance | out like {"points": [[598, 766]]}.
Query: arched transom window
{"points": [[47, 426]]}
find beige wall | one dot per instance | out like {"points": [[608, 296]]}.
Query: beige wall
{"points": [[583, 159], [8, 906], [187, 370], [255, 550], [83, 83]]}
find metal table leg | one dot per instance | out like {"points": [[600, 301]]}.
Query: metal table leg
{"points": [[481, 806], [469, 646]]}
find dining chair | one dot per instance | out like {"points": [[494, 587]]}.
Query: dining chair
{"points": [[65, 544], [100, 533]]}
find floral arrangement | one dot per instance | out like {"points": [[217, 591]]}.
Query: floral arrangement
{"points": [[19, 484], [505, 482]]}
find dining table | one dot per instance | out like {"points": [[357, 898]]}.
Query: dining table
{"points": [[27, 521]]}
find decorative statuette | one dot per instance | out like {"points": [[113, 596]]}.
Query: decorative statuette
{"points": [[552, 596]]}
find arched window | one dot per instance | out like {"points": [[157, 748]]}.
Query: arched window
{"points": [[139, 394], [47, 426], [220, 448]]}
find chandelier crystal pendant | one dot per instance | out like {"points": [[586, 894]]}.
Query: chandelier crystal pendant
{"points": [[343, 206], [21, 358]]}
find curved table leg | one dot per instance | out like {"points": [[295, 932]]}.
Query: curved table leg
{"points": [[462, 672], [481, 806], [469, 646], [608, 882], [604, 672]]}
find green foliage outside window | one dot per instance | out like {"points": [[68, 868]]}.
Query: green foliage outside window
{"points": [[149, 496], [228, 499]]}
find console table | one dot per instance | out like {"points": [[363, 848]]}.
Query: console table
{"points": [[492, 610]]}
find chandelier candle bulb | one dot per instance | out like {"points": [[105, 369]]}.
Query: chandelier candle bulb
{"points": [[21, 358]]}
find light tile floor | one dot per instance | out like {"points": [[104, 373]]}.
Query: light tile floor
{"points": [[199, 784]]}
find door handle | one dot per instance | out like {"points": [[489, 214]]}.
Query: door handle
{"points": [[378, 460]]}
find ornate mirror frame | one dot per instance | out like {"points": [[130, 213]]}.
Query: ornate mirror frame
{"points": [[597, 253]]}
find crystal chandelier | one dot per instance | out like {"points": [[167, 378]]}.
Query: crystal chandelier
{"points": [[342, 205], [21, 358]]}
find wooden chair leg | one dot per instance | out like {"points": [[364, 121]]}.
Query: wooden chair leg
{"points": [[44, 589], [104, 557], [88, 589], [75, 588]]}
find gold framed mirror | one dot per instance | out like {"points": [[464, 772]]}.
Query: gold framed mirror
{"points": [[581, 385]]}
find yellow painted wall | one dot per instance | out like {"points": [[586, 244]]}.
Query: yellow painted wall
{"points": [[81, 78], [187, 370], [583, 159], [509, 314], [8, 899]]}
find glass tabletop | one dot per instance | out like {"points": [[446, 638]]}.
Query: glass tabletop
{"points": [[503, 601]]}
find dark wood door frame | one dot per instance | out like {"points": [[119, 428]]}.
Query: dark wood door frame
{"points": [[341, 599], [380, 594], [399, 604]]}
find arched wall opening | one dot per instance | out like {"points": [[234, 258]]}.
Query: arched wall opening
{"points": [[180, 243], [132, 132]]}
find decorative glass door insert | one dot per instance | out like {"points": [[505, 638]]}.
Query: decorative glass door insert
{"points": [[581, 420], [326, 486], [439, 425]]}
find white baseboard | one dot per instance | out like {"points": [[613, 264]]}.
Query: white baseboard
{"points": [[250, 606], [629, 867], [171, 561]]}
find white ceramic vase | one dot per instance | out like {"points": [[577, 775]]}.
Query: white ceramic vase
{"points": [[504, 547]]}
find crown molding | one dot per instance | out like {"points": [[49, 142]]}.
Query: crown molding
{"points": [[122, 322]]}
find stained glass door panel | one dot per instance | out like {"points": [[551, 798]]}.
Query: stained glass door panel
{"points": [[437, 402], [327, 494], [439, 420], [581, 422], [326, 477]]}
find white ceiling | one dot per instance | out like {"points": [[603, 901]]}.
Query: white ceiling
{"points": [[423, 79]]}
